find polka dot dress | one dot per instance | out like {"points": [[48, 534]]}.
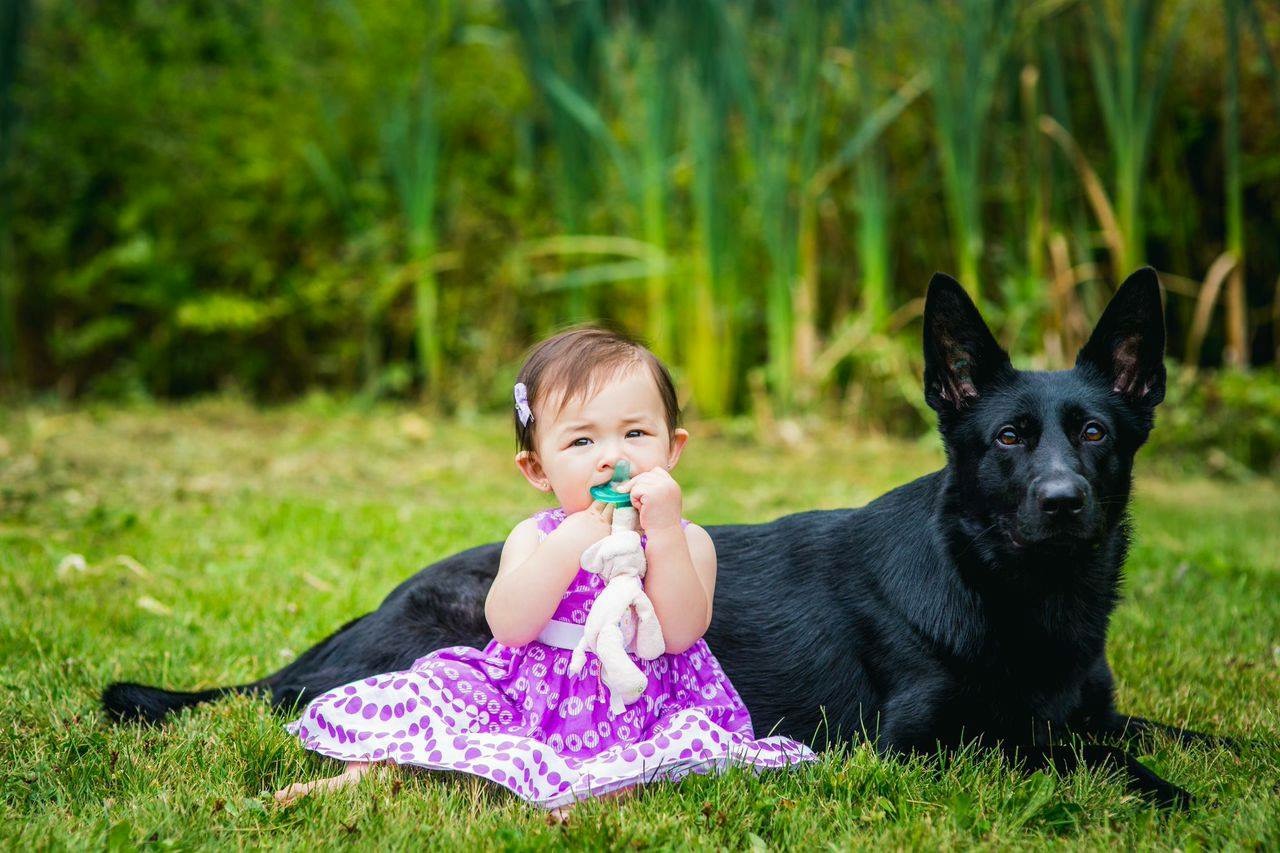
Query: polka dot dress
{"points": [[514, 716]]}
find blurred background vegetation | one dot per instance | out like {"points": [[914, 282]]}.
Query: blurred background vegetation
{"points": [[395, 198]]}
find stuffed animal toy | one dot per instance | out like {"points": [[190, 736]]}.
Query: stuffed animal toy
{"points": [[621, 613]]}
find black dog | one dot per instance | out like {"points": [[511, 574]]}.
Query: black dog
{"points": [[971, 604]]}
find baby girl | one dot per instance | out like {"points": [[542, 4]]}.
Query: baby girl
{"points": [[511, 712]]}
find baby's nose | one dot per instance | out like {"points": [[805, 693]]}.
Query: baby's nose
{"points": [[610, 463]]}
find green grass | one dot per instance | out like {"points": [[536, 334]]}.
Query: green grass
{"points": [[219, 541]]}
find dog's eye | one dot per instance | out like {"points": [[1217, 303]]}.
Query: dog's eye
{"points": [[1008, 436], [1093, 431]]}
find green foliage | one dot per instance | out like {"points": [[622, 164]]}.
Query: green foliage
{"points": [[1229, 422], [1131, 66], [390, 197]]}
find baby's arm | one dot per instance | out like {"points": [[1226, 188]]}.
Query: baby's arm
{"points": [[681, 582], [681, 577], [533, 575]]}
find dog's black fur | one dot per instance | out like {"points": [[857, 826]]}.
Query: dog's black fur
{"points": [[971, 604]]}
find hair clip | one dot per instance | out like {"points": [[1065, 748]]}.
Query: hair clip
{"points": [[522, 404]]}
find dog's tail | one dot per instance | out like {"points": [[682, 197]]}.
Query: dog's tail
{"points": [[127, 702]]}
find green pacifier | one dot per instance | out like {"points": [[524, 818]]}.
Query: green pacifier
{"points": [[606, 493]]}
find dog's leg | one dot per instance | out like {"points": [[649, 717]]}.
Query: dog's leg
{"points": [[1130, 728], [1065, 759], [1097, 717]]}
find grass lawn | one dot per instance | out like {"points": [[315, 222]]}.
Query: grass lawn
{"points": [[209, 544]]}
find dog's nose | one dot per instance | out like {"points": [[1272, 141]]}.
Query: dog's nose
{"points": [[1060, 497]]}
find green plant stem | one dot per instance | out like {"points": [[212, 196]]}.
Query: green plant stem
{"points": [[13, 23], [1237, 336]]}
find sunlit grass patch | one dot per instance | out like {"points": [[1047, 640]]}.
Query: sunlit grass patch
{"points": [[217, 542]]}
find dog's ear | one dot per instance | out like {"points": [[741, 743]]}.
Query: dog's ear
{"points": [[1126, 349], [961, 358]]}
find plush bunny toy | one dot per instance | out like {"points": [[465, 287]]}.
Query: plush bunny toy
{"points": [[620, 614]]}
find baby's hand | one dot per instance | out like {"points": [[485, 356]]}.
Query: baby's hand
{"points": [[591, 524], [656, 496]]}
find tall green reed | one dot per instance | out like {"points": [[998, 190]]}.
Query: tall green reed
{"points": [[13, 20], [1128, 98], [561, 48], [656, 83], [711, 308], [860, 152], [411, 139], [870, 192], [630, 121], [1269, 64], [966, 55], [639, 87], [334, 172], [1237, 332], [1272, 70], [1226, 276], [782, 105], [862, 158]]}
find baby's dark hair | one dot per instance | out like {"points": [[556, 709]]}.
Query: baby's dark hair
{"points": [[573, 364]]}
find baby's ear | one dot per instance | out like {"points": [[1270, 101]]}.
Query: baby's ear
{"points": [[679, 439], [591, 558], [531, 467]]}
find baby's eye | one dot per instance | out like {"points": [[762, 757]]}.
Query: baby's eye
{"points": [[635, 433], [580, 442]]}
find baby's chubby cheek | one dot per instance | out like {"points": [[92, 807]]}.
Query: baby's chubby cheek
{"points": [[574, 499], [572, 506]]}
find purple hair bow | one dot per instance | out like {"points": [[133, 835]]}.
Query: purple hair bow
{"points": [[522, 404]]}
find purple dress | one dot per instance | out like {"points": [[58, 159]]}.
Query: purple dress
{"points": [[514, 716]]}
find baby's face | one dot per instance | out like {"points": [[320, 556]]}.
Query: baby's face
{"points": [[578, 446]]}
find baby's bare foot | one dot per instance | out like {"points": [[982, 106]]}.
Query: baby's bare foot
{"points": [[562, 814], [619, 794], [352, 774]]}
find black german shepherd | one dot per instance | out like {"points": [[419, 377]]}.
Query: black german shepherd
{"points": [[969, 605]]}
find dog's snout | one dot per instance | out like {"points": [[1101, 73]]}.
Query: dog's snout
{"points": [[1061, 496]]}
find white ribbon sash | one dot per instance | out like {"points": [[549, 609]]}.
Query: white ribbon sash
{"points": [[561, 635], [566, 635]]}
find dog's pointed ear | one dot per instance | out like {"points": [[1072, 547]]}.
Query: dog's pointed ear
{"points": [[1126, 349], [961, 357]]}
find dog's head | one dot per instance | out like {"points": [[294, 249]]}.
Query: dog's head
{"points": [[1043, 460]]}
